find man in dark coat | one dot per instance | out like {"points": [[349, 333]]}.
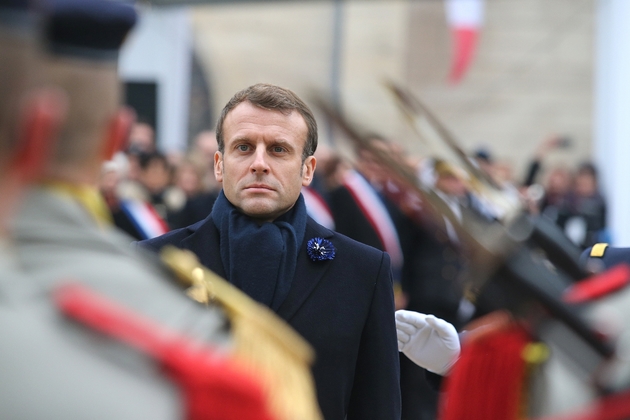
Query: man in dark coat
{"points": [[334, 291]]}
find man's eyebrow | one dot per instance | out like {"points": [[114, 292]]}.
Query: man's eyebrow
{"points": [[236, 140], [240, 138], [282, 142]]}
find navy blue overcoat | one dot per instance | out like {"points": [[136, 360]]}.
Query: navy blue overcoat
{"points": [[343, 307]]}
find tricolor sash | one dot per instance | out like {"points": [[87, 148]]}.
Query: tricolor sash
{"points": [[145, 218], [317, 208], [376, 213]]}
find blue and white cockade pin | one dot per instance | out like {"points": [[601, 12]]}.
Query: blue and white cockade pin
{"points": [[320, 249]]}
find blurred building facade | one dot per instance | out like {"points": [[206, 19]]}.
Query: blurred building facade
{"points": [[532, 73]]}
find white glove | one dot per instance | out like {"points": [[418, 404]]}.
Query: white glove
{"points": [[429, 342]]}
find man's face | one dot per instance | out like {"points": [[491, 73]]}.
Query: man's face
{"points": [[451, 184], [261, 167], [142, 137], [155, 177]]}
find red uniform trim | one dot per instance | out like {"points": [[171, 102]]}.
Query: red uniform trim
{"points": [[213, 386], [599, 285]]}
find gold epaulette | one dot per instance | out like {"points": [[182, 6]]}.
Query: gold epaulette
{"points": [[264, 343], [598, 250]]}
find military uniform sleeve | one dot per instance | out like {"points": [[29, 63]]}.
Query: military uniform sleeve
{"points": [[376, 389]]}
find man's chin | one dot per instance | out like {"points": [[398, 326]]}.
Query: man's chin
{"points": [[259, 209]]}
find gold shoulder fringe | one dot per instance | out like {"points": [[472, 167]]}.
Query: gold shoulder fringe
{"points": [[264, 343]]}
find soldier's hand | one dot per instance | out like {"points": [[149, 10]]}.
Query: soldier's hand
{"points": [[429, 342]]}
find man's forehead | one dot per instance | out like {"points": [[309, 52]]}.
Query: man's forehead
{"points": [[248, 108], [247, 116]]}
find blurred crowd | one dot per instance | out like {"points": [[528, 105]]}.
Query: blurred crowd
{"points": [[175, 190], [571, 197], [150, 193]]}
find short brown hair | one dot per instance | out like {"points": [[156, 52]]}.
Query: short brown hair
{"points": [[81, 136], [274, 98]]}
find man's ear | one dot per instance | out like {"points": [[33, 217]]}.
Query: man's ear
{"points": [[41, 117], [118, 132], [308, 170], [218, 166]]}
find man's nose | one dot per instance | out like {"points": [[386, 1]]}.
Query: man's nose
{"points": [[260, 164]]}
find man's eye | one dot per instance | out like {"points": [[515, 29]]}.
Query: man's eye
{"points": [[278, 149], [243, 147]]}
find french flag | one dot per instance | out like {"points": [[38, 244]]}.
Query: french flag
{"points": [[465, 18]]}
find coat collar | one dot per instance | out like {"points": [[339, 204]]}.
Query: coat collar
{"points": [[204, 240]]}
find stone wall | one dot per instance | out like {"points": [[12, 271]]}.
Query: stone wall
{"points": [[532, 74]]}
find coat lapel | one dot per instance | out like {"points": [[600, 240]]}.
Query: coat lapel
{"points": [[308, 273]]}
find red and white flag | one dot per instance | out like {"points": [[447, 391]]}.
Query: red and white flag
{"points": [[465, 18]]}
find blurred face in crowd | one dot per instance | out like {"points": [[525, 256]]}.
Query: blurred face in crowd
{"points": [[206, 144], [188, 178], [369, 163], [585, 184], [142, 137], [156, 176], [261, 168], [503, 173], [451, 184], [486, 166], [559, 181]]}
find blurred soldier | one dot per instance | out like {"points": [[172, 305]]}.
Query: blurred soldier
{"points": [[433, 265], [504, 372], [362, 212], [534, 367], [113, 362], [65, 207]]}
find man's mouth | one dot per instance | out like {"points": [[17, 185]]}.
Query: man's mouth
{"points": [[259, 187]]}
